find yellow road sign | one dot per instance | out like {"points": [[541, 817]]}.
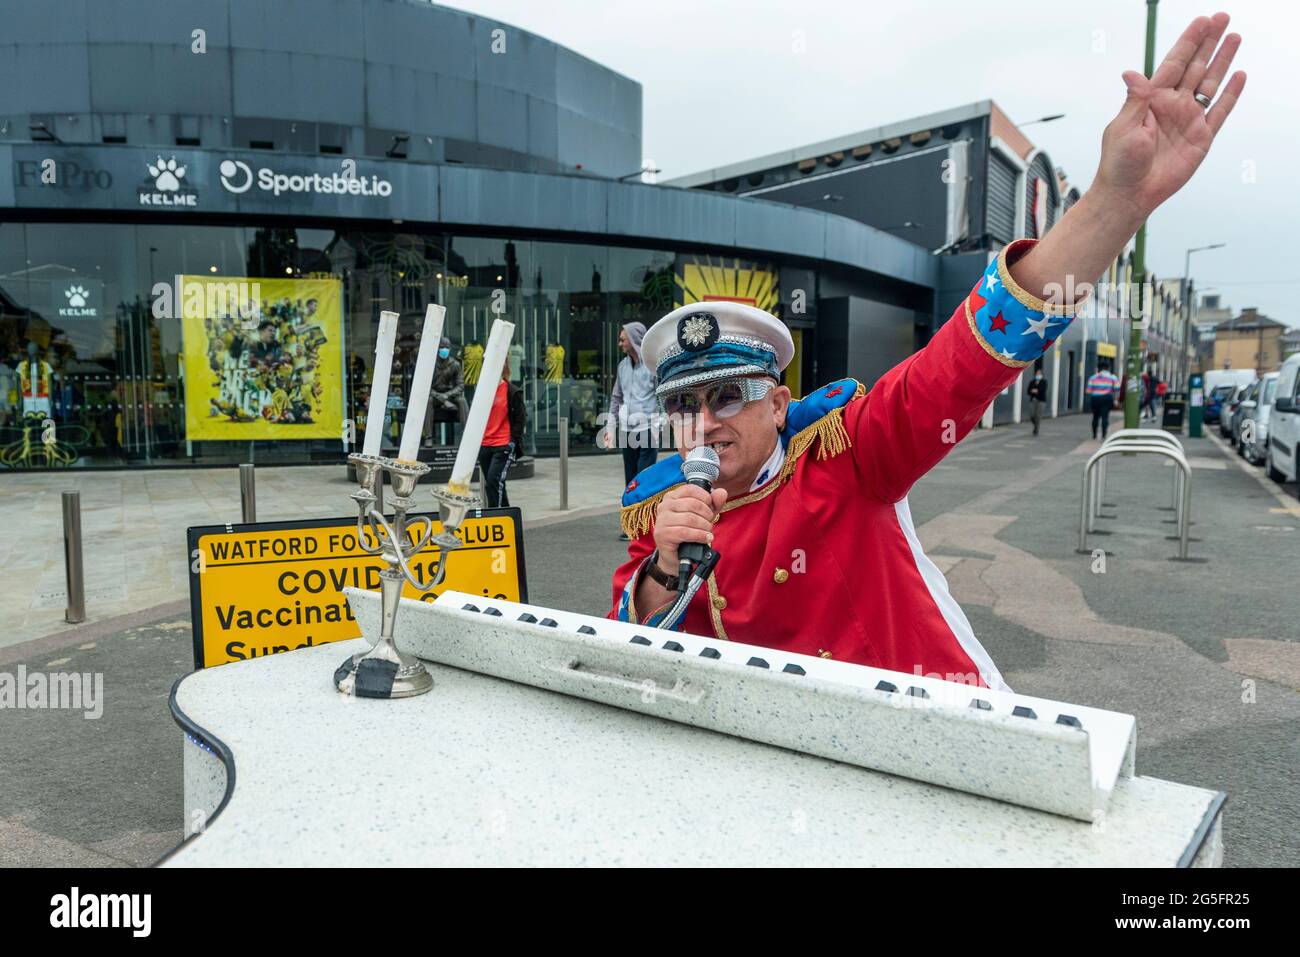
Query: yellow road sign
{"points": [[258, 590]]}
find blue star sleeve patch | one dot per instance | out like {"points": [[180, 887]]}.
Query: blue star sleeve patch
{"points": [[1012, 325]]}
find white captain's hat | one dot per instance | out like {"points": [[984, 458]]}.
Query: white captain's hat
{"points": [[707, 341]]}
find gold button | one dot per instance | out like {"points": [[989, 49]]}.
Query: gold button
{"points": [[719, 602], [780, 575]]}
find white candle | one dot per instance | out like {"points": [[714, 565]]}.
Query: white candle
{"points": [[494, 360], [413, 427], [379, 380]]}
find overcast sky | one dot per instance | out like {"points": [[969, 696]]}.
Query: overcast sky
{"points": [[725, 81]]}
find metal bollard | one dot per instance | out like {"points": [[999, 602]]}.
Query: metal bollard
{"points": [[247, 494], [73, 569], [564, 463]]}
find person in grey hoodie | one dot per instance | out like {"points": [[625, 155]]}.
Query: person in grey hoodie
{"points": [[633, 408]]}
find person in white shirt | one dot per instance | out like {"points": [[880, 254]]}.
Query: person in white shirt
{"points": [[633, 407]]}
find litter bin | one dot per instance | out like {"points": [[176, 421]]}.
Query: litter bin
{"points": [[1175, 411]]}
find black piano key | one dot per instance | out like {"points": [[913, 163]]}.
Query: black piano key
{"points": [[549, 623], [710, 653], [793, 669], [640, 640], [468, 607], [980, 704], [528, 618], [492, 611], [916, 692], [1069, 719], [586, 630], [886, 686], [1020, 711], [673, 646], [757, 663]]}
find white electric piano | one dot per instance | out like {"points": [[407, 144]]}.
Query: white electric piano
{"points": [[553, 738]]}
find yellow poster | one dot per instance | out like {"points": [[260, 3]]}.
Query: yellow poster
{"points": [[263, 358]]}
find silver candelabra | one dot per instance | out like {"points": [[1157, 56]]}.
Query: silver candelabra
{"points": [[383, 671]]}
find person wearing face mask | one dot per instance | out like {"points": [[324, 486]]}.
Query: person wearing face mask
{"points": [[446, 395], [1037, 392]]}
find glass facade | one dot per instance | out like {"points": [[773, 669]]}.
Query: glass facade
{"points": [[93, 359]]}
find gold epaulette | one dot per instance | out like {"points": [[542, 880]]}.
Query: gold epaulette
{"points": [[829, 433]]}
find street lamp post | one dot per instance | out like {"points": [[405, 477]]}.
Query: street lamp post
{"points": [[1135, 360], [1187, 306]]}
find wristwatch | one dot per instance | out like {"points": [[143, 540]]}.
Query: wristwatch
{"points": [[658, 574]]}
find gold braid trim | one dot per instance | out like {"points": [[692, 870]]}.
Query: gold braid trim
{"points": [[715, 616]]}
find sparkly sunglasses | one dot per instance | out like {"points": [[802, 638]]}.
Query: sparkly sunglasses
{"points": [[724, 399]]}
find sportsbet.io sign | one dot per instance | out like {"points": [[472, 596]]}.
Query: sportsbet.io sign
{"points": [[55, 175], [258, 590], [237, 177]]}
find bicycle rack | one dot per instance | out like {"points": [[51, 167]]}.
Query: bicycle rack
{"points": [[1155, 436], [1150, 441]]}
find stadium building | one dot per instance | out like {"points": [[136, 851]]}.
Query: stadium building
{"points": [[207, 204]]}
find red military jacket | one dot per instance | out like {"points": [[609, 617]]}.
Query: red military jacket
{"points": [[823, 559]]}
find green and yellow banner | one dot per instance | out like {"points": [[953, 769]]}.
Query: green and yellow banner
{"points": [[263, 358]]}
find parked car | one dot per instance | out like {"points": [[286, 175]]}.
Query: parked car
{"points": [[1227, 407], [1215, 398], [1253, 429], [1240, 378], [1283, 456], [1230, 414]]}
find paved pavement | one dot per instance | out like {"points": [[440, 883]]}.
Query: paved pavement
{"points": [[1205, 653], [133, 527]]}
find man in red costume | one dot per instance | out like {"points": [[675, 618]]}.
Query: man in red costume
{"points": [[809, 512]]}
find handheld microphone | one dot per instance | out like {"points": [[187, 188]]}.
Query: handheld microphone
{"points": [[701, 469]]}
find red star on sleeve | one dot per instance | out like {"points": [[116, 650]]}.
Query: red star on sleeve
{"points": [[998, 324]]}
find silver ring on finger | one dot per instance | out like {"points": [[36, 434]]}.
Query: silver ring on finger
{"points": [[1204, 100]]}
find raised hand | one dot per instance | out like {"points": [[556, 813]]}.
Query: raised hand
{"points": [[1162, 133], [1148, 152]]}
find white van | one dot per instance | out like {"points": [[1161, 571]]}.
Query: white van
{"points": [[1283, 458], [1236, 377]]}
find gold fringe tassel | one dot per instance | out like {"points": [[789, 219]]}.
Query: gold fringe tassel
{"points": [[829, 434], [638, 519]]}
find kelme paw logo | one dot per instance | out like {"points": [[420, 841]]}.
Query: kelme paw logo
{"points": [[167, 175], [76, 296]]}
